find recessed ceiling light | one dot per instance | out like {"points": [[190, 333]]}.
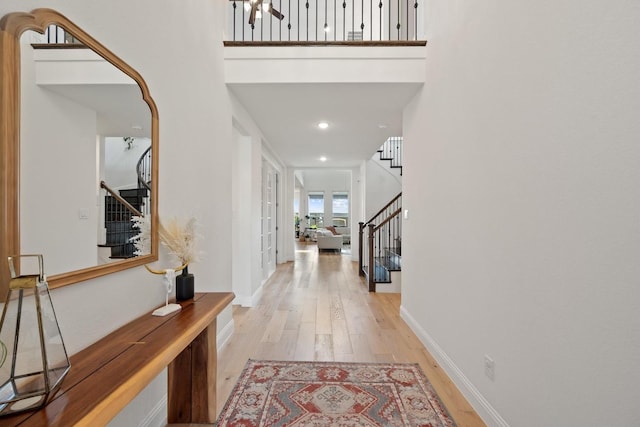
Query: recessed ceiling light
{"points": [[323, 125], [382, 126], [323, 159]]}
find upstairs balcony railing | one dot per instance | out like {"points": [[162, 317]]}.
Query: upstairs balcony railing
{"points": [[330, 21]]}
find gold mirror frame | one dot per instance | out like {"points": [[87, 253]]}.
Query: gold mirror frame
{"points": [[12, 26]]}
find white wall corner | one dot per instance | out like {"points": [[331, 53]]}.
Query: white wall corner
{"points": [[484, 409], [250, 300], [385, 166]]}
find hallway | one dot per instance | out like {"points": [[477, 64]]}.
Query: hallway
{"points": [[318, 308]]}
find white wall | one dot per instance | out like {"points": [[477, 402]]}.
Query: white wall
{"points": [[249, 150], [382, 186], [165, 42], [242, 242], [58, 153], [120, 162], [521, 174]]}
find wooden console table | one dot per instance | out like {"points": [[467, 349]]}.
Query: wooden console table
{"points": [[107, 375]]}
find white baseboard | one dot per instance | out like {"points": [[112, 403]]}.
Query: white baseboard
{"points": [[487, 412], [249, 301], [257, 294], [243, 301]]}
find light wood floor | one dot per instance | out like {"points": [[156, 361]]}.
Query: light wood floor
{"points": [[318, 308]]}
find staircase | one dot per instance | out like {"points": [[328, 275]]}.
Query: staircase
{"points": [[121, 206], [118, 209], [380, 255], [391, 150]]}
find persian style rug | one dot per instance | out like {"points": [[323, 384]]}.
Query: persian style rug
{"points": [[314, 394]]}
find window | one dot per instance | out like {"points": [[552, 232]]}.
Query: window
{"points": [[316, 210], [340, 212]]}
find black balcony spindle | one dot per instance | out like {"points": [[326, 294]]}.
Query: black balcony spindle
{"points": [[335, 21], [326, 29], [398, 24], [289, 24], [380, 11], [280, 22], [307, 5], [234, 20], [344, 19], [362, 18]]}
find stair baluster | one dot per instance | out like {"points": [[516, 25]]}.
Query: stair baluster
{"points": [[379, 244]]}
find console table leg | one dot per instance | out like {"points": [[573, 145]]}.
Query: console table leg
{"points": [[192, 381]]}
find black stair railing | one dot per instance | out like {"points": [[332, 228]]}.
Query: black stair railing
{"points": [[324, 20], [119, 208], [380, 243], [391, 150], [143, 169]]}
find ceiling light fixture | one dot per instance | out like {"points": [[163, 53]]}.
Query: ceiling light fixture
{"points": [[323, 125], [323, 159]]}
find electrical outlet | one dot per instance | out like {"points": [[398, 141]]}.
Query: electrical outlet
{"points": [[489, 367]]}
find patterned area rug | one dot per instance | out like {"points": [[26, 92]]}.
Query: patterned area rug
{"points": [[314, 394]]}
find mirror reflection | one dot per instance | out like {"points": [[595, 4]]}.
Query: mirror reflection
{"points": [[85, 154]]}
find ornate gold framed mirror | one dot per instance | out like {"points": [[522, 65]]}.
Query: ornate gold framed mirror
{"points": [[50, 178]]}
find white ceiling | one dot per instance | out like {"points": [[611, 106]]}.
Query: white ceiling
{"points": [[120, 109], [361, 117]]}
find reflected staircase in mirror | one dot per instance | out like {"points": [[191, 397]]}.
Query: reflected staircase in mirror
{"points": [[143, 170], [380, 243], [119, 207]]}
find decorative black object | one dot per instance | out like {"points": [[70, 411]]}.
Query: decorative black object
{"points": [[184, 285]]}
